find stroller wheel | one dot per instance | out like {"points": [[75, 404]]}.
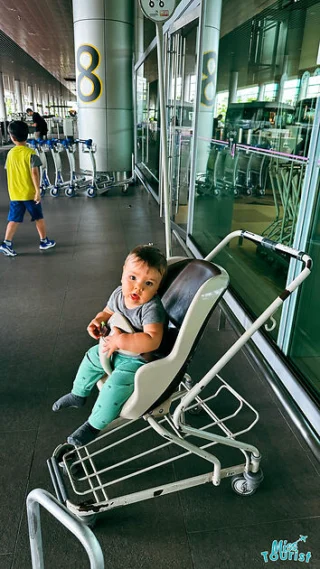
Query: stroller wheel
{"points": [[247, 483], [240, 486]]}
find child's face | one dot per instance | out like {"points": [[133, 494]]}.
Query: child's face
{"points": [[139, 282]]}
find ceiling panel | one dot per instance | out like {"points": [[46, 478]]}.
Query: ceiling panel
{"points": [[44, 30]]}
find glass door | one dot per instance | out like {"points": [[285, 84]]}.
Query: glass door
{"points": [[181, 80]]}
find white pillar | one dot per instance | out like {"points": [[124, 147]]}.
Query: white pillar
{"points": [[261, 92], [233, 86], [39, 101], [34, 98], [13, 101], [304, 86], [49, 103], [44, 103], [208, 78], [103, 52], [17, 94], [30, 96], [3, 108]]}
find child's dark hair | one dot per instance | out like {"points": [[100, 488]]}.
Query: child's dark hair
{"points": [[19, 129], [150, 255]]}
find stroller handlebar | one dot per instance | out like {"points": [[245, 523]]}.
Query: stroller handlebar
{"points": [[263, 242]]}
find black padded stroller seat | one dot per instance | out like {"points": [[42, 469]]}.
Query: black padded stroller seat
{"points": [[189, 293]]}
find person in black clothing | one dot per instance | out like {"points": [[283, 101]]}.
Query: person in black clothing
{"points": [[39, 123], [216, 125]]}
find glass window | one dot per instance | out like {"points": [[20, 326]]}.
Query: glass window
{"points": [[304, 350], [251, 172]]}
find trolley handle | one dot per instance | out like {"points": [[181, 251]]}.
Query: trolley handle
{"points": [[278, 247], [263, 242], [87, 142]]}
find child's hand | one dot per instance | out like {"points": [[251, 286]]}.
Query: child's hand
{"points": [[110, 343], [94, 328], [37, 198]]}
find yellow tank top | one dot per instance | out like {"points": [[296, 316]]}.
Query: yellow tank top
{"points": [[18, 166]]}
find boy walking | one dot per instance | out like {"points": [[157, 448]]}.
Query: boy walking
{"points": [[137, 300], [22, 165]]}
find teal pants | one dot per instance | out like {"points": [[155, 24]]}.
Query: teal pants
{"points": [[115, 391]]}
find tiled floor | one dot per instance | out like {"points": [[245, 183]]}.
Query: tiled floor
{"points": [[47, 299]]}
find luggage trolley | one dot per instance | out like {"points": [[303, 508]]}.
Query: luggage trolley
{"points": [[212, 181], [101, 182], [75, 181], [257, 172], [230, 175], [41, 147], [286, 177], [96, 183], [56, 147], [89, 481]]}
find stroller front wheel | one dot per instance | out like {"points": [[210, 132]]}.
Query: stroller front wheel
{"points": [[241, 486], [247, 483]]}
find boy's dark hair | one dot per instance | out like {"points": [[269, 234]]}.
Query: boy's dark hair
{"points": [[152, 256], [19, 129], [28, 110]]}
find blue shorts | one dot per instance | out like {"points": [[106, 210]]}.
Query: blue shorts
{"points": [[18, 209]]}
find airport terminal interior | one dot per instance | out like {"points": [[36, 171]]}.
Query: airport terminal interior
{"points": [[222, 136]]}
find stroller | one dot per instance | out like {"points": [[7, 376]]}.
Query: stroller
{"points": [[167, 416]]}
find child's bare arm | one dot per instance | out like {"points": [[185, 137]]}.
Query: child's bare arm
{"points": [[35, 174], [139, 342], [94, 327]]}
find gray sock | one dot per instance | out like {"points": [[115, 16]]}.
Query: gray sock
{"points": [[83, 435], [69, 400]]}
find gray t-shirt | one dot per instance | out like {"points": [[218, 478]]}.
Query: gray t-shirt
{"points": [[151, 312]]}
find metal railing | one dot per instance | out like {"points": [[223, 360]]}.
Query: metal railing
{"points": [[66, 518]]}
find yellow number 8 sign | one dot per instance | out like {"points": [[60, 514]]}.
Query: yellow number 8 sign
{"points": [[89, 84], [209, 66]]}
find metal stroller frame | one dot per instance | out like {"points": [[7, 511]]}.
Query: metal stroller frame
{"points": [[191, 291], [41, 147]]}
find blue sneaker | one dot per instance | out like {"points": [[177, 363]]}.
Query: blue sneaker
{"points": [[47, 244], [7, 250]]}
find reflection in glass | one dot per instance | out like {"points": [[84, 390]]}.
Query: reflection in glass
{"points": [[267, 87], [305, 345]]}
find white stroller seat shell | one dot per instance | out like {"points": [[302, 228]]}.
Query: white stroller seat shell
{"points": [[119, 321], [153, 380]]}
